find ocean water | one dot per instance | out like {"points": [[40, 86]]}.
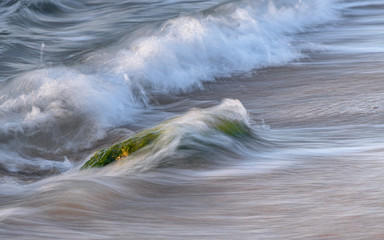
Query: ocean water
{"points": [[304, 77]]}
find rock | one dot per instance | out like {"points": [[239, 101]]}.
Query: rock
{"points": [[209, 123], [122, 149]]}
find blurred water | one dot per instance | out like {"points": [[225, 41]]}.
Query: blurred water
{"points": [[73, 94], [316, 175]]}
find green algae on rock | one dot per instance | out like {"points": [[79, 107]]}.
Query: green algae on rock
{"points": [[233, 128], [229, 118], [229, 127], [122, 149]]}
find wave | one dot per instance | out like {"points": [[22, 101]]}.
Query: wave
{"points": [[234, 37], [192, 139], [179, 55], [200, 137], [64, 109], [39, 33]]}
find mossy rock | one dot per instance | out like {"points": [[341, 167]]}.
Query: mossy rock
{"points": [[229, 127], [122, 149], [233, 128]]}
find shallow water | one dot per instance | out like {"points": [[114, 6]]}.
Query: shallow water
{"points": [[308, 78]]}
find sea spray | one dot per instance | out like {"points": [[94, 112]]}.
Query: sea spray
{"points": [[229, 38]]}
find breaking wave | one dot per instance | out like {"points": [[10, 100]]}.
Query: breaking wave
{"points": [[60, 99]]}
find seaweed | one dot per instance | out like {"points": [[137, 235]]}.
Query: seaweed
{"points": [[122, 149], [233, 128], [229, 127]]}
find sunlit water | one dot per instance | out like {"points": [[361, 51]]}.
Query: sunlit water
{"points": [[77, 76]]}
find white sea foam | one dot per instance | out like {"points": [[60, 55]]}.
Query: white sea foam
{"points": [[51, 112], [234, 37], [42, 96]]}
